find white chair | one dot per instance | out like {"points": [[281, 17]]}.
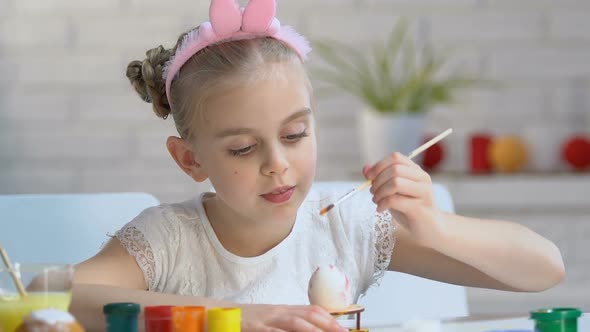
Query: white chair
{"points": [[64, 228], [401, 297]]}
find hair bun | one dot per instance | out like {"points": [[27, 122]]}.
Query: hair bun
{"points": [[146, 77]]}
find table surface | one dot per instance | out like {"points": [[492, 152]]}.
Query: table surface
{"points": [[470, 324]]}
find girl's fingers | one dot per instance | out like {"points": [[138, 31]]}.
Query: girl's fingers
{"points": [[401, 186], [260, 327], [396, 171], [284, 318], [394, 158], [366, 168], [304, 321], [293, 323], [397, 202], [419, 192], [271, 329], [315, 309]]}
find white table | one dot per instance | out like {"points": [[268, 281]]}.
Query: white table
{"points": [[471, 324]]}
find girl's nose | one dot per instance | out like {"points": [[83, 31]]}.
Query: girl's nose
{"points": [[275, 162]]}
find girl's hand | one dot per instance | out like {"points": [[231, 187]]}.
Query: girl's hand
{"points": [[401, 186], [279, 318]]}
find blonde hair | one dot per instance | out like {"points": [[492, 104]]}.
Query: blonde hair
{"points": [[221, 65]]}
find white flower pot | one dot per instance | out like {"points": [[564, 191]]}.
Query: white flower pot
{"points": [[384, 133]]}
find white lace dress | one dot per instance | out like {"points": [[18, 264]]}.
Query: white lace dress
{"points": [[178, 251]]}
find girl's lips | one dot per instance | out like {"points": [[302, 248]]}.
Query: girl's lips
{"points": [[279, 196]]}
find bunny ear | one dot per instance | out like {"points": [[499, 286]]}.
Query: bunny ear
{"points": [[258, 15], [225, 16], [206, 31]]}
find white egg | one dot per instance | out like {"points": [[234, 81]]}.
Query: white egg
{"points": [[329, 288]]}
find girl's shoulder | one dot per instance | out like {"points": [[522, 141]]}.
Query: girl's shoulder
{"points": [[161, 236], [168, 217]]}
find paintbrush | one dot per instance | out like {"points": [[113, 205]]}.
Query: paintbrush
{"points": [[15, 277], [367, 183]]}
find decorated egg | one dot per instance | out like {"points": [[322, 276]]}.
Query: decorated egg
{"points": [[329, 288]]}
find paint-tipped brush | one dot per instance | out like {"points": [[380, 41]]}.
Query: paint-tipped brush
{"points": [[367, 183]]}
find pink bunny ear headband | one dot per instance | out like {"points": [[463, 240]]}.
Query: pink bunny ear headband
{"points": [[229, 22]]}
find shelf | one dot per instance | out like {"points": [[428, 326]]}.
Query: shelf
{"points": [[518, 191]]}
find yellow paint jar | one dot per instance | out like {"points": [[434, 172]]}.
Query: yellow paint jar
{"points": [[224, 319]]}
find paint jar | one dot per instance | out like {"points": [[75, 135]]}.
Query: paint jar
{"points": [[158, 318], [556, 319], [224, 319], [188, 319], [121, 316], [479, 158]]}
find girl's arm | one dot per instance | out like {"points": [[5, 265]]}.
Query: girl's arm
{"points": [[455, 249], [114, 276], [481, 253], [112, 266]]}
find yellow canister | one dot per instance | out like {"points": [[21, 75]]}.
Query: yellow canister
{"points": [[224, 319]]}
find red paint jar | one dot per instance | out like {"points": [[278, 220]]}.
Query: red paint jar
{"points": [[158, 318], [480, 160]]}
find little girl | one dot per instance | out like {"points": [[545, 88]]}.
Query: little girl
{"points": [[242, 102]]}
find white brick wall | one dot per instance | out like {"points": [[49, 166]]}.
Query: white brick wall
{"points": [[547, 5], [33, 31], [66, 6], [70, 122], [35, 106], [540, 63], [488, 27], [127, 31], [26, 179], [52, 139], [570, 25], [422, 6], [70, 69]]}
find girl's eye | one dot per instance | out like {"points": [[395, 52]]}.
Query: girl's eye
{"points": [[242, 151], [295, 137], [246, 150]]}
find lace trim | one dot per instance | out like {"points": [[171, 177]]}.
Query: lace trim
{"points": [[384, 243], [137, 246]]}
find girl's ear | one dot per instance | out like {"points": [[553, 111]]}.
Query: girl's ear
{"points": [[184, 156]]}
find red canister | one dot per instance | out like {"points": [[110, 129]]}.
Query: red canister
{"points": [[158, 318], [480, 160]]}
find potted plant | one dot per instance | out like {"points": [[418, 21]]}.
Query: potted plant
{"points": [[398, 82]]}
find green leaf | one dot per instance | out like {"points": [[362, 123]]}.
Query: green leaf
{"points": [[390, 77]]}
